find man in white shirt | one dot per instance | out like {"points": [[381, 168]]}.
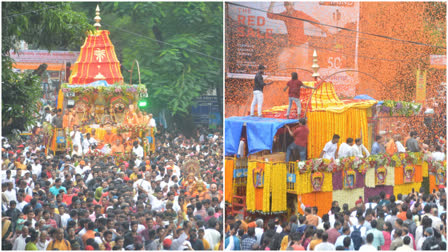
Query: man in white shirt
{"points": [[76, 151], [144, 185], [157, 204], [325, 245], [368, 246], [359, 149], [329, 151], [138, 150], [400, 147], [36, 168], [346, 149], [20, 242], [10, 193], [438, 155], [89, 143], [76, 136], [259, 231], [212, 236]]}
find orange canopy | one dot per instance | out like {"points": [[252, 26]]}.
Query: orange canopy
{"points": [[97, 61]]}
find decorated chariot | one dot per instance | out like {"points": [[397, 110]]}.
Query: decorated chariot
{"points": [[261, 182], [97, 101]]}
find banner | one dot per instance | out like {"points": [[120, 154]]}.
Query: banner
{"points": [[437, 61], [420, 96], [283, 35]]}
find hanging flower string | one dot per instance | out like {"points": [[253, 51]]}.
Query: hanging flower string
{"points": [[362, 164]]}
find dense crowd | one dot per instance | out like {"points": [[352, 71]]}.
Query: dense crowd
{"points": [[77, 201], [416, 221]]}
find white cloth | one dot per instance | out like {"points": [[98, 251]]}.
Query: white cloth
{"points": [[152, 122], [138, 151], [324, 246], [19, 243], [258, 233], [367, 248], [11, 195], [345, 150], [36, 169], [77, 153], [42, 245], [87, 143], [212, 236], [257, 100], [156, 204], [359, 149], [400, 147], [76, 136], [438, 156], [330, 150], [241, 149], [143, 184], [64, 219], [404, 248]]}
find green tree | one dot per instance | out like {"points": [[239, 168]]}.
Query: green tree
{"points": [[178, 46], [47, 25]]}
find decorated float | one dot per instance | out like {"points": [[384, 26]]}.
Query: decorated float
{"points": [[261, 182], [97, 100]]}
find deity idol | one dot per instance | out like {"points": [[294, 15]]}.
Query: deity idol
{"points": [[190, 183]]}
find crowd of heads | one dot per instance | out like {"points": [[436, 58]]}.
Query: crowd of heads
{"points": [[416, 221], [66, 201]]}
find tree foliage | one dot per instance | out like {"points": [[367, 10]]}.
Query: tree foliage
{"points": [[41, 25], [178, 47]]}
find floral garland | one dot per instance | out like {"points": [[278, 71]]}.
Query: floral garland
{"points": [[434, 165], [401, 108], [122, 128], [116, 89], [362, 164]]}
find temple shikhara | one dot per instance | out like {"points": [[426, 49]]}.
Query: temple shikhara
{"points": [[96, 100]]}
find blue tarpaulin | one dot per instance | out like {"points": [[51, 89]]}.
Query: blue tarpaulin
{"points": [[260, 133], [364, 97]]}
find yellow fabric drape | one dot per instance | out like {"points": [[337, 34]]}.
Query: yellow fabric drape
{"points": [[324, 124], [278, 185], [404, 189], [266, 187], [348, 196], [60, 99], [229, 165], [250, 189]]}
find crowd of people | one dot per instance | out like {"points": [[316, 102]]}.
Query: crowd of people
{"points": [[79, 201], [416, 221]]}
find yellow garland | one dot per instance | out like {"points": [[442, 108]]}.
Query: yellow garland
{"points": [[390, 176], [267, 186], [348, 196], [369, 179], [405, 189], [304, 183], [278, 187], [425, 169], [327, 186], [250, 189]]}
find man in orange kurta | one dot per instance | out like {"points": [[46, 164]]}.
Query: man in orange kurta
{"points": [[117, 147]]}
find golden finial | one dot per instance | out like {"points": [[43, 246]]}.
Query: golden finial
{"points": [[97, 18], [315, 66]]}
